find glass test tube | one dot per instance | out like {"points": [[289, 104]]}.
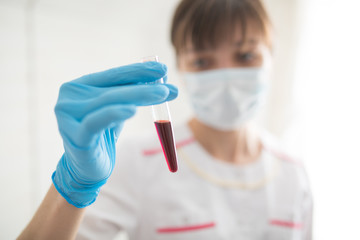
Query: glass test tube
{"points": [[162, 120]]}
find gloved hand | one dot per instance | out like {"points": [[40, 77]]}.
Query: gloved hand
{"points": [[90, 112]]}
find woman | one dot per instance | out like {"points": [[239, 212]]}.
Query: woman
{"points": [[232, 183]]}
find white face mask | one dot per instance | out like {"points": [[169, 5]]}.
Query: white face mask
{"points": [[225, 98]]}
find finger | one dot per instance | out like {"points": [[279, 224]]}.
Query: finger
{"points": [[68, 126], [165, 78], [129, 74], [116, 130], [107, 117], [173, 92], [139, 95]]}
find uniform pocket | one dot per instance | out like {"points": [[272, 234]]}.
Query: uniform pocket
{"points": [[284, 230], [286, 224], [185, 228]]}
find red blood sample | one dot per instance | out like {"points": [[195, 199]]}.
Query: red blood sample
{"points": [[165, 133]]}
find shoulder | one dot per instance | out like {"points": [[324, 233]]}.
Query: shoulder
{"points": [[291, 186], [274, 147], [292, 168]]}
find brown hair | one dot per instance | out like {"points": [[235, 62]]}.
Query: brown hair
{"points": [[206, 22]]}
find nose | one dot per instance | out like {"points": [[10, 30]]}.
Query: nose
{"points": [[225, 60]]}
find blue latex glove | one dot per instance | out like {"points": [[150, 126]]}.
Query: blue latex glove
{"points": [[90, 113]]}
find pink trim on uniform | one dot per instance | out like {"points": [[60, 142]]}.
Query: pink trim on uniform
{"points": [[148, 152], [282, 155], [287, 224], [185, 228]]}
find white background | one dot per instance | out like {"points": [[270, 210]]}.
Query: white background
{"points": [[313, 105]]}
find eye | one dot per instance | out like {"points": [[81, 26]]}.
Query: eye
{"points": [[245, 57], [201, 63]]}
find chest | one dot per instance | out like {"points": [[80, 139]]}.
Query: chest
{"points": [[194, 209]]}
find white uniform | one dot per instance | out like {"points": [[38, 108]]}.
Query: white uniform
{"points": [[205, 199]]}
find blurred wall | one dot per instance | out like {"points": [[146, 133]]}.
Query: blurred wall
{"points": [[45, 43], [328, 87]]}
